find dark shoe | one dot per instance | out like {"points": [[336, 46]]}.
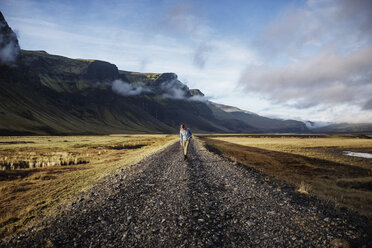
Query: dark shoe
{"points": [[184, 157]]}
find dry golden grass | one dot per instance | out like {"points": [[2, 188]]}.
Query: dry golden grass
{"points": [[315, 165], [304, 188], [26, 193], [329, 148]]}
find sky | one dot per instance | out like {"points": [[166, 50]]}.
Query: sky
{"points": [[304, 60]]}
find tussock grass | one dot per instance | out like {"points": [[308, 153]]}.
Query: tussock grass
{"points": [[28, 193], [304, 188], [316, 165]]}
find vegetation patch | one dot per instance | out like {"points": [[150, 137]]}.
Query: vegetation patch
{"points": [[129, 147], [364, 183], [122, 147], [15, 142]]}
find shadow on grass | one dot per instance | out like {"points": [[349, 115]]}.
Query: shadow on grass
{"points": [[9, 175], [341, 183]]}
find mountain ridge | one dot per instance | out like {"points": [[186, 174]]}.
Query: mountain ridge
{"points": [[74, 79], [47, 94]]}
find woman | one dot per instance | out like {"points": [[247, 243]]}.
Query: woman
{"points": [[185, 137]]}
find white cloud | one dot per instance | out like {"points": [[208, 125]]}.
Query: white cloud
{"points": [[323, 79], [317, 61], [333, 25], [183, 21], [127, 89], [9, 50]]}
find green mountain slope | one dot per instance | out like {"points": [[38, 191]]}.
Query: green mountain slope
{"points": [[48, 94]]}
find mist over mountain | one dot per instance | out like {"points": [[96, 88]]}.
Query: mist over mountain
{"points": [[9, 47], [316, 124], [42, 94]]}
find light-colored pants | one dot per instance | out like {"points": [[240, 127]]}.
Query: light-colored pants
{"points": [[185, 145]]}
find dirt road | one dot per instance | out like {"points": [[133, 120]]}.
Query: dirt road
{"points": [[204, 201]]}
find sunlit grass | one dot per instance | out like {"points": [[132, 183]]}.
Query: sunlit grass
{"points": [[329, 148], [26, 193]]}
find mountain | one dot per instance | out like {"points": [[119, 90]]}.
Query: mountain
{"points": [[45, 94], [196, 92], [231, 109], [261, 123], [329, 127], [345, 127], [316, 124]]}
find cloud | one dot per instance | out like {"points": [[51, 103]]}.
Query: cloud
{"points": [[199, 98], [201, 55], [143, 64], [8, 53], [324, 79], [320, 55], [174, 89], [9, 48], [182, 20], [127, 89], [330, 24], [368, 105]]}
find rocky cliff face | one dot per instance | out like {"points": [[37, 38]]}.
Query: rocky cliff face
{"points": [[102, 71], [168, 85], [9, 47], [196, 92]]}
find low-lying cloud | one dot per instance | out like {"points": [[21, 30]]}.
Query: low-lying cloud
{"points": [[126, 89], [9, 48], [8, 53], [172, 89], [175, 89], [198, 98]]}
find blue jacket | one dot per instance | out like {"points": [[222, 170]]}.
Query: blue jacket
{"points": [[185, 135]]}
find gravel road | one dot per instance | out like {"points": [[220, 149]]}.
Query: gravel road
{"points": [[205, 201]]}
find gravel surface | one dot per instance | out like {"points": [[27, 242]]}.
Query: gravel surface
{"points": [[205, 201]]}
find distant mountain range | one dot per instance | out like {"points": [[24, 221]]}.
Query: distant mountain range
{"points": [[343, 128], [44, 94]]}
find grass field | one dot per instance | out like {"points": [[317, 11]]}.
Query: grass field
{"points": [[37, 172], [315, 164]]}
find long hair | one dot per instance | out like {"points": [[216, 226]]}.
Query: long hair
{"points": [[182, 126]]}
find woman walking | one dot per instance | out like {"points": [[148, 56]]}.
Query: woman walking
{"points": [[185, 137]]}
